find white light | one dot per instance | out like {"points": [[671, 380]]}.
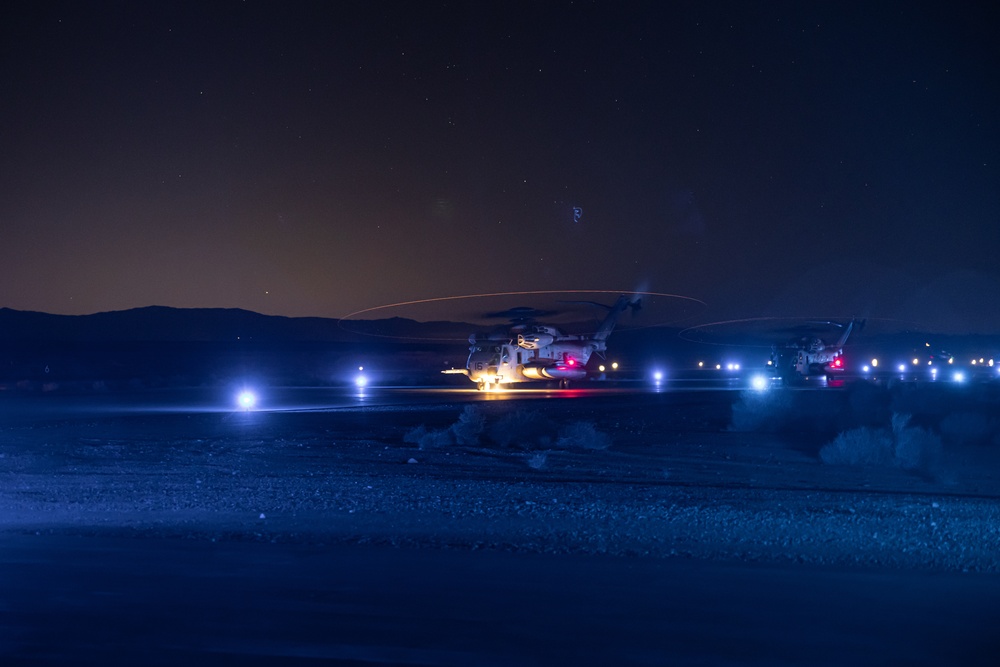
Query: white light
{"points": [[729, 367], [601, 368], [736, 367], [865, 368], [658, 376], [933, 371], [959, 376], [718, 367], [701, 364], [902, 367], [246, 399], [614, 365], [874, 363], [915, 361], [361, 381], [759, 382]]}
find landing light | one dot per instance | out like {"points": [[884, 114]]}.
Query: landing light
{"points": [[865, 368], [959, 376], [360, 381], [246, 399], [902, 368], [658, 377], [759, 382]]}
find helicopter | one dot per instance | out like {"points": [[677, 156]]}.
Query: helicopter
{"points": [[534, 352], [810, 355]]}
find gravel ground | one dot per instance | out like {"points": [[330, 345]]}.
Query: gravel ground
{"points": [[675, 482]]}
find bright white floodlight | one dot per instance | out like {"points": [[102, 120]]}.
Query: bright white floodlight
{"points": [[246, 399]]}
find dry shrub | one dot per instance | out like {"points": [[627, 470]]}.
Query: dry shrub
{"points": [[860, 447], [902, 446], [466, 431], [582, 435]]}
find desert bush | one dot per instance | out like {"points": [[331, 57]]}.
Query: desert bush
{"points": [[538, 460], [911, 448], [524, 429], [466, 431], [582, 435], [470, 425], [427, 439], [918, 450], [863, 446]]}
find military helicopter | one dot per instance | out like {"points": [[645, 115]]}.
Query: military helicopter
{"points": [[810, 355], [532, 352]]}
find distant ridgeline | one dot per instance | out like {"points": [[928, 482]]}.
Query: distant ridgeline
{"points": [[160, 346]]}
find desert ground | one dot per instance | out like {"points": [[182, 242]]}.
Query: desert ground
{"points": [[632, 525]]}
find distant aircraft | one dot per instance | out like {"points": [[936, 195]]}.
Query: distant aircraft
{"points": [[810, 355], [528, 353]]}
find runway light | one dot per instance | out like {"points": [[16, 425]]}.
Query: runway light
{"points": [[601, 368], [614, 365], [246, 399], [759, 382]]}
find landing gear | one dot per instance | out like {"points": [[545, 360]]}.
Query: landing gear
{"points": [[564, 384]]}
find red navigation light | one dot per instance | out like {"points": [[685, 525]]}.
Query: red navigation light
{"points": [[838, 363], [571, 361]]}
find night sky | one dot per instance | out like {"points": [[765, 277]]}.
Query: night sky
{"points": [[313, 159]]}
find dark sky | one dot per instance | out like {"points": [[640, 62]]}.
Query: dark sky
{"points": [[312, 159]]}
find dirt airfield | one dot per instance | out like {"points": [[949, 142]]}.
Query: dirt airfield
{"points": [[742, 507]]}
